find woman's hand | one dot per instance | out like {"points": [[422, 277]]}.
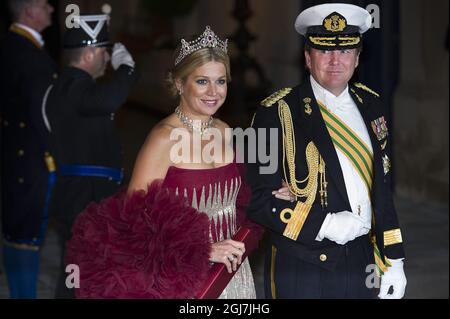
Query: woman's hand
{"points": [[227, 252], [284, 193]]}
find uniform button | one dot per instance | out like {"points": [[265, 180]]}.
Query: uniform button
{"points": [[21, 180], [22, 125], [55, 75], [274, 210], [21, 153], [5, 123], [323, 258]]}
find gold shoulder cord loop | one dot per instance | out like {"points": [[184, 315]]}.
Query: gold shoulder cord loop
{"points": [[316, 166]]}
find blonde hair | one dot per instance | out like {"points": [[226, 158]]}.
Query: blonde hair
{"points": [[192, 62]]}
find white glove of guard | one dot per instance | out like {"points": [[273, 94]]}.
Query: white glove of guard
{"points": [[342, 227], [120, 55], [395, 277]]}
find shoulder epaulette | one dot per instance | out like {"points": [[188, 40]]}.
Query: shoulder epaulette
{"points": [[365, 88], [274, 98]]}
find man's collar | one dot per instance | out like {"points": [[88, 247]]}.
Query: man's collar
{"points": [[328, 98], [36, 35]]}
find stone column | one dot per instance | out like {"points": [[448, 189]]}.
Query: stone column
{"points": [[421, 103]]}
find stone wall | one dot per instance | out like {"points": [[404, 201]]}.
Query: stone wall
{"points": [[421, 105]]}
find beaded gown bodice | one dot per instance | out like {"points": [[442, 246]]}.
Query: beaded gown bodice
{"points": [[215, 192]]}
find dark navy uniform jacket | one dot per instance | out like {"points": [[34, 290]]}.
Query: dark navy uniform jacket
{"points": [[81, 113], [81, 117], [25, 73], [265, 209]]}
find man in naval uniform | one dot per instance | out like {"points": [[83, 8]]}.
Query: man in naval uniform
{"points": [[337, 231], [79, 114], [26, 72]]}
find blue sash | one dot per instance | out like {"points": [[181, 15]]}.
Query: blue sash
{"points": [[91, 171]]}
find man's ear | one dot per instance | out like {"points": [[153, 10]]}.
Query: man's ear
{"points": [[88, 55], [308, 60], [357, 60]]}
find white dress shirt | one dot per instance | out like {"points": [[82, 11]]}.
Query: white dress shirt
{"points": [[36, 35], [346, 110]]}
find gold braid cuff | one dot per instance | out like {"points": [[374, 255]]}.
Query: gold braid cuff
{"points": [[393, 237]]}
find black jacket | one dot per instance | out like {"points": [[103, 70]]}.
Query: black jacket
{"points": [[25, 73], [81, 117]]}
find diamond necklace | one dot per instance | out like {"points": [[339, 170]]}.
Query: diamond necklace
{"points": [[194, 125]]}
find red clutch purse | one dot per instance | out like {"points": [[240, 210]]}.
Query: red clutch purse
{"points": [[218, 276]]}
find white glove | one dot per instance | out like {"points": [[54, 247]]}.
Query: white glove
{"points": [[395, 277], [342, 227], [120, 55]]}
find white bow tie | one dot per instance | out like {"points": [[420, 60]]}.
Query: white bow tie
{"points": [[339, 103]]}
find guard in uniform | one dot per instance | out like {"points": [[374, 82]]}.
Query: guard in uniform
{"points": [[79, 114], [340, 232], [26, 72]]}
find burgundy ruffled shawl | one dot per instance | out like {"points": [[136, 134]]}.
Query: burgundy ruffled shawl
{"points": [[148, 245]]}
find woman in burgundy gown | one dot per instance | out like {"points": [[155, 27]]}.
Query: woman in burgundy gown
{"points": [[215, 192], [184, 205]]}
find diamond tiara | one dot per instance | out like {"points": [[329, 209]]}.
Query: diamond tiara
{"points": [[207, 40]]}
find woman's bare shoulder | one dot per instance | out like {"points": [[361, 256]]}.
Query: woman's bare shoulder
{"points": [[160, 134], [220, 124], [153, 159]]}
